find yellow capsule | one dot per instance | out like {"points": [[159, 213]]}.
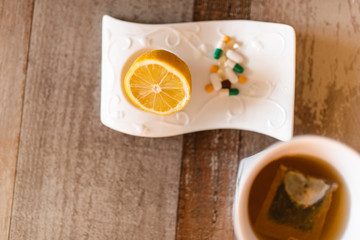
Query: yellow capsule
{"points": [[221, 74], [231, 43], [226, 39], [209, 88], [214, 68], [222, 59], [242, 79]]}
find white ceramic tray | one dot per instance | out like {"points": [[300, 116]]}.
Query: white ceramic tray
{"points": [[265, 103]]}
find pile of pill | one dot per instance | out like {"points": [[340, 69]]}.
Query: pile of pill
{"points": [[228, 70]]}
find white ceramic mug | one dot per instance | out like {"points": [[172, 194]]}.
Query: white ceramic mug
{"points": [[345, 160]]}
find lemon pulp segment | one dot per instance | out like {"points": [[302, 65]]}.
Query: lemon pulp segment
{"points": [[159, 82]]}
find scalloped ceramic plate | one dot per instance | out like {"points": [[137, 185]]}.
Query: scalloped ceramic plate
{"points": [[265, 103]]}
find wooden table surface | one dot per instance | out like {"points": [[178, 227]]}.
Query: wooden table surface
{"points": [[63, 175]]}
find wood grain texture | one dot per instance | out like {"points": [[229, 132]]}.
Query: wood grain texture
{"points": [[210, 158], [327, 96], [77, 179], [15, 22], [328, 64], [221, 10], [207, 185]]}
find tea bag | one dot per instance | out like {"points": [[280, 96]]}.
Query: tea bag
{"points": [[295, 206]]}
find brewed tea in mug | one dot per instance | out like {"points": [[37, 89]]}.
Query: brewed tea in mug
{"points": [[337, 213]]}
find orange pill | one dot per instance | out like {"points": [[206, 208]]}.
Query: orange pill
{"points": [[242, 79], [226, 39], [214, 68], [209, 88]]}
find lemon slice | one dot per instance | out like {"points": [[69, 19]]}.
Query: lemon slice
{"points": [[159, 82]]}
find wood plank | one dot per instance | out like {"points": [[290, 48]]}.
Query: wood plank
{"points": [[328, 58], [77, 179], [207, 185], [221, 10], [210, 158], [15, 23], [326, 101]]}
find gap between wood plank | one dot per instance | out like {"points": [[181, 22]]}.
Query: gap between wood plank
{"points": [[16, 20], [210, 158], [76, 178], [22, 108]]}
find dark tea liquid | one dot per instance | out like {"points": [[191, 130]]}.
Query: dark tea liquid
{"points": [[338, 213]]}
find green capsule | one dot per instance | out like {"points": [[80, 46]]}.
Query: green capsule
{"points": [[217, 53], [234, 66], [238, 68], [233, 91]]}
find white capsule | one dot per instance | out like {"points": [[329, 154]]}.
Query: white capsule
{"points": [[224, 92], [230, 64], [231, 75], [221, 45], [215, 81], [236, 57]]}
